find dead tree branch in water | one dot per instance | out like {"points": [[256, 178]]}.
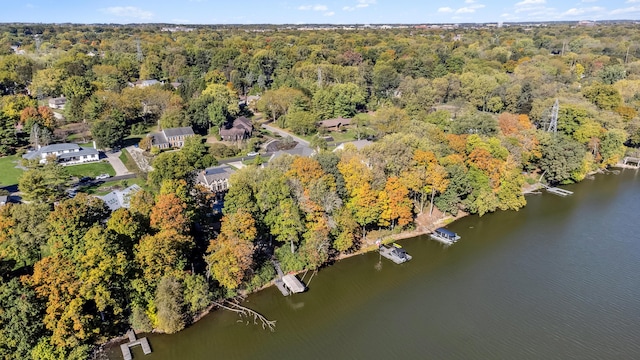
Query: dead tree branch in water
{"points": [[245, 311]]}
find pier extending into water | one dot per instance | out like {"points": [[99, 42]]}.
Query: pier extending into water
{"points": [[631, 162], [287, 284], [126, 348], [558, 191]]}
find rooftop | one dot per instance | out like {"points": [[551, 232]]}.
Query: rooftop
{"points": [[181, 131]]}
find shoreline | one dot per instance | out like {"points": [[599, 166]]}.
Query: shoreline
{"points": [[422, 227]]}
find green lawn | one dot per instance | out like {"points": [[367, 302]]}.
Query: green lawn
{"points": [[91, 169], [9, 174], [107, 187], [128, 161]]}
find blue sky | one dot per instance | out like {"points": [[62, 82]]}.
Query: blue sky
{"points": [[315, 11]]}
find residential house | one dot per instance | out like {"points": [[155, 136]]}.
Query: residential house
{"points": [[215, 178], [335, 124], [240, 129], [145, 83], [299, 150], [4, 199], [172, 137], [64, 153], [57, 103], [359, 144], [120, 198]]}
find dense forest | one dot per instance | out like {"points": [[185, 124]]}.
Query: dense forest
{"points": [[459, 120]]}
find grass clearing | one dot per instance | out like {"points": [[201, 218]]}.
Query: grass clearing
{"points": [[9, 174], [128, 161], [91, 169], [107, 187]]}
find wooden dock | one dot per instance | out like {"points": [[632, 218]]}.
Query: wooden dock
{"points": [[558, 191], [126, 348], [292, 283], [631, 162], [287, 284]]}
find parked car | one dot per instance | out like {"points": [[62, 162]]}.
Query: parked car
{"points": [[103, 176], [253, 153], [85, 179]]}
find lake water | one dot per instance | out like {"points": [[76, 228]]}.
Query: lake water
{"points": [[559, 279]]}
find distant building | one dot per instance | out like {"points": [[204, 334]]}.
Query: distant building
{"points": [[172, 137], [120, 198], [240, 129], [64, 154], [215, 178], [57, 103], [145, 83]]}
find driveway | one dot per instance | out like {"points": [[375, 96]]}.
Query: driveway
{"points": [[284, 134], [116, 163]]}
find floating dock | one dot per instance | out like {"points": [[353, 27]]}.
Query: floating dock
{"points": [[287, 284], [126, 348], [631, 162], [293, 284], [444, 236], [394, 253], [558, 191]]}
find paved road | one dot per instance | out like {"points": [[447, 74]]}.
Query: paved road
{"points": [[116, 163], [285, 134]]}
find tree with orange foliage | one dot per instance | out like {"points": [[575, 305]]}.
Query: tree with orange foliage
{"points": [[170, 213], [230, 255], [306, 170], [395, 204]]}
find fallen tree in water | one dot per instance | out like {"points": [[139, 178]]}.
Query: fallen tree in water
{"points": [[245, 311]]}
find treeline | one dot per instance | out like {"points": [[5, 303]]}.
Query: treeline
{"points": [[458, 122]]}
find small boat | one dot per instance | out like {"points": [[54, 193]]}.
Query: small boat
{"points": [[394, 253], [445, 236]]}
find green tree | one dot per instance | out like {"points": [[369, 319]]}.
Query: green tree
{"points": [[110, 132], [170, 303], [44, 184], [20, 320], [561, 158]]}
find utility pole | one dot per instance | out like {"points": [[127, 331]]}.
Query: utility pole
{"points": [[553, 123], [626, 57], [319, 77], [139, 50], [563, 45]]}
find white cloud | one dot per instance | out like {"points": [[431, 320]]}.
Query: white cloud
{"points": [[313, 7], [531, 2], [632, 9], [582, 11], [330, 13], [589, 1], [445, 10], [465, 10], [365, 3], [360, 4], [632, 1], [129, 12], [469, 1]]}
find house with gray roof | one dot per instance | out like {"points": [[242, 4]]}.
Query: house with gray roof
{"points": [[240, 129], [215, 178], [120, 198], [299, 150], [172, 137], [57, 103], [66, 154], [359, 144]]}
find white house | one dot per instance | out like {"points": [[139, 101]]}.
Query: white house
{"points": [[216, 178], [120, 198], [57, 103], [64, 153]]}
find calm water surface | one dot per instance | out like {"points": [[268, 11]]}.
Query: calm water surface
{"points": [[560, 279]]}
